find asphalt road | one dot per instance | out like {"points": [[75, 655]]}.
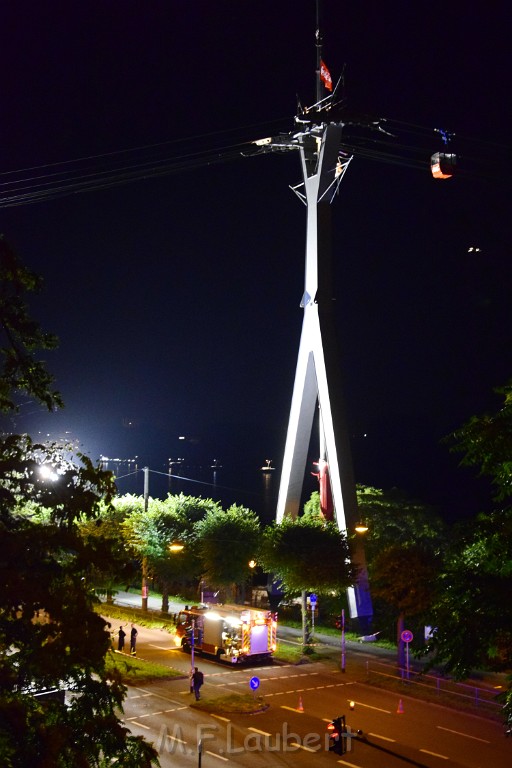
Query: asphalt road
{"points": [[291, 731]]}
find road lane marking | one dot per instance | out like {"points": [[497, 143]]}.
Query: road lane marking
{"points": [[219, 717], [169, 701], [257, 730], [214, 754], [134, 722], [175, 738], [163, 648], [378, 736], [368, 706], [434, 754], [303, 746], [351, 765], [292, 709], [459, 733]]}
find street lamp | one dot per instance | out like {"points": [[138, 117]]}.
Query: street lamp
{"points": [[175, 546]]}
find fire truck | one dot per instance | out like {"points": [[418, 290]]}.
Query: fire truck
{"points": [[230, 632]]}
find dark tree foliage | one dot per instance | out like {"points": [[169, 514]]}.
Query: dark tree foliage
{"points": [[50, 636], [472, 615], [486, 442], [237, 531], [308, 554], [21, 337]]}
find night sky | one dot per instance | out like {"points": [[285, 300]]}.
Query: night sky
{"points": [[176, 297]]}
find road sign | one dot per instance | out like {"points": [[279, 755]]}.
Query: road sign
{"points": [[407, 635], [254, 682], [312, 599]]}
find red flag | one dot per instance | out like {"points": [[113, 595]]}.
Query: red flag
{"points": [[325, 76]]}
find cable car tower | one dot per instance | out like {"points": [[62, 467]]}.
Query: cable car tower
{"points": [[318, 373]]}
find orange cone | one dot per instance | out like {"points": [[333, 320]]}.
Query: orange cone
{"points": [[300, 707], [400, 709]]}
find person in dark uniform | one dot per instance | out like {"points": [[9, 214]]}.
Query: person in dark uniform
{"points": [[122, 635], [133, 640], [197, 681]]}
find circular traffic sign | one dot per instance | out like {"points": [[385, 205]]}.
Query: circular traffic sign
{"points": [[254, 682], [407, 635]]}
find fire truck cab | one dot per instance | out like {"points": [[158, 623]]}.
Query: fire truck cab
{"points": [[230, 632]]}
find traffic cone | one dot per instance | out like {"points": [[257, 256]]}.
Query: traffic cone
{"points": [[400, 709], [300, 707]]}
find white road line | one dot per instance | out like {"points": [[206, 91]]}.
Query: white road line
{"points": [[378, 736], [302, 746], [257, 730], [214, 754], [368, 706], [351, 765], [292, 709], [459, 733], [434, 754], [219, 717], [165, 698], [175, 738], [162, 648], [134, 722]]}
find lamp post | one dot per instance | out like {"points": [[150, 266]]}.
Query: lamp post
{"points": [[343, 647], [144, 558]]}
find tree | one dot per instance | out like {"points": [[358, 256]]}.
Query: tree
{"points": [[226, 542], [177, 523], [307, 554], [472, 615], [486, 442], [113, 562], [21, 337], [50, 636], [404, 576], [394, 518]]}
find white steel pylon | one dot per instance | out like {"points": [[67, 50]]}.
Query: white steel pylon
{"points": [[318, 373]]}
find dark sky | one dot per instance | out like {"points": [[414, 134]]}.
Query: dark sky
{"points": [[176, 298]]}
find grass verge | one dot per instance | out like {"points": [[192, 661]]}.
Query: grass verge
{"points": [[135, 616], [133, 670]]}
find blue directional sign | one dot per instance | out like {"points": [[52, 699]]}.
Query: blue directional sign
{"points": [[312, 598], [254, 682]]}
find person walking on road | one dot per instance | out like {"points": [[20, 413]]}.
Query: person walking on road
{"points": [[197, 681], [133, 639], [122, 635]]}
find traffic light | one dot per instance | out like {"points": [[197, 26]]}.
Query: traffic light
{"points": [[337, 730]]}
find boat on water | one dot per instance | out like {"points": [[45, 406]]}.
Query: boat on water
{"points": [[267, 467]]}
